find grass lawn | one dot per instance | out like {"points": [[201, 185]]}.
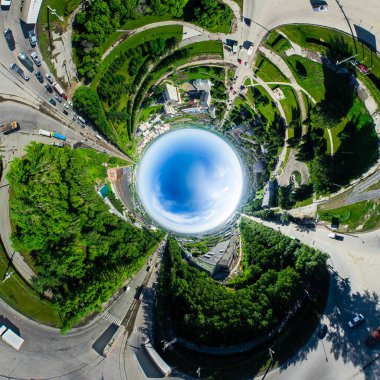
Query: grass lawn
{"points": [[287, 153], [267, 71], [63, 8], [366, 213], [16, 293], [277, 42], [314, 81], [201, 72], [267, 110], [290, 103], [135, 40], [321, 39], [305, 202], [146, 112]]}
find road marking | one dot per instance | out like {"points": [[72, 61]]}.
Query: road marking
{"points": [[111, 318]]}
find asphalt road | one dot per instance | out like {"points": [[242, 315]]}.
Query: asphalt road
{"points": [[355, 263]]}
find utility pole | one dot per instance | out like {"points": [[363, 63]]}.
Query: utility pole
{"points": [[198, 372]]}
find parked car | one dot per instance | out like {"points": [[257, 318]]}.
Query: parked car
{"points": [[356, 320], [127, 289], [36, 59], [18, 70], [10, 39], [39, 76], [240, 61], [58, 98], [49, 78], [320, 8], [32, 38], [48, 88], [373, 338], [52, 101], [66, 106], [322, 331], [65, 111]]}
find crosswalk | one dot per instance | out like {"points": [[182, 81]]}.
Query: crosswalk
{"points": [[111, 318]]}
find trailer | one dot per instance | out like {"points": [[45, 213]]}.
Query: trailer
{"points": [[59, 90], [44, 132], [59, 136], [9, 127], [11, 338]]}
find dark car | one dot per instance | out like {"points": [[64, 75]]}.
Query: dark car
{"points": [[52, 101], [10, 39], [65, 111], [322, 331], [39, 76], [48, 88], [58, 98], [240, 61], [19, 70]]}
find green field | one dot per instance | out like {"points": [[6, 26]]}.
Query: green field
{"points": [[136, 40], [199, 72], [366, 214], [267, 71], [277, 43], [314, 81], [289, 104], [16, 293], [323, 39]]}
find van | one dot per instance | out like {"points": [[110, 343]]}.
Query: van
{"points": [[332, 236]]}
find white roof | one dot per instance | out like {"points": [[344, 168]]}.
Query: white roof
{"points": [[31, 11], [172, 92]]}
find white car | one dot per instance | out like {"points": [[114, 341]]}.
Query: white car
{"points": [[66, 106], [49, 77], [356, 320], [6, 3], [320, 8], [36, 59]]}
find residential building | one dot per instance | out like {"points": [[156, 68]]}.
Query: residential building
{"points": [[205, 99], [172, 95], [30, 11], [202, 84], [169, 110]]}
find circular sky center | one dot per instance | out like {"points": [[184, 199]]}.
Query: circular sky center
{"points": [[190, 181]]}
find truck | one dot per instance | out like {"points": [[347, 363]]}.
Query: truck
{"points": [[9, 127], [11, 338], [332, 236], [25, 60], [59, 90], [43, 132], [58, 136]]}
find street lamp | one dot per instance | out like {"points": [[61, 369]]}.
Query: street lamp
{"points": [[7, 275], [54, 12]]}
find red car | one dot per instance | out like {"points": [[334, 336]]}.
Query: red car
{"points": [[373, 338], [363, 69], [239, 60]]}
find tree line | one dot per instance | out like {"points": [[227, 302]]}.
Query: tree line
{"points": [[276, 272], [81, 251]]}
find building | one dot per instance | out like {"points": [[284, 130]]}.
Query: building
{"points": [[172, 95], [169, 110], [202, 84], [114, 174], [143, 127], [212, 111], [205, 99], [30, 11]]}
